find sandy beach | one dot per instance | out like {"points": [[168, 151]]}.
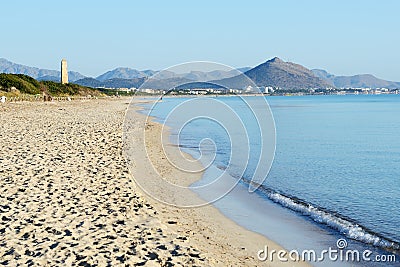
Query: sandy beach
{"points": [[68, 196]]}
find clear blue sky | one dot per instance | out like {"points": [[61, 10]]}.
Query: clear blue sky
{"points": [[343, 37]]}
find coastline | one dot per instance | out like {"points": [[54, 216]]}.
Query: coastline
{"points": [[205, 227], [67, 196]]}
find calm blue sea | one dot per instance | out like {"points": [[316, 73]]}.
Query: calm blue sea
{"points": [[336, 171]]}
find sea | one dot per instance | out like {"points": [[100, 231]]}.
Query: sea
{"points": [[332, 182]]}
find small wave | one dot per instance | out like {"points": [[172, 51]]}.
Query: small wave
{"points": [[333, 220]]}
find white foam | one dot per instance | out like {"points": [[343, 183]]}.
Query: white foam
{"points": [[349, 229]]}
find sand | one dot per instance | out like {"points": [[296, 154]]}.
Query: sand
{"points": [[67, 196]]}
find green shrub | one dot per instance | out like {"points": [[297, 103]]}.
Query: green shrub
{"points": [[28, 85]]}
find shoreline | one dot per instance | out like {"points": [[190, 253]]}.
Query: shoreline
{"points": [[67, 197], [207, 227]]}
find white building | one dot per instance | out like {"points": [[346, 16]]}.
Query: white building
{"points": [[235, 91], [268, 89], [248, 89]]}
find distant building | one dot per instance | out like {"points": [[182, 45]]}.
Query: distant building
{"points": [[235, 91], [150, 91], [64, 71], [268, 89], [248, 89]]}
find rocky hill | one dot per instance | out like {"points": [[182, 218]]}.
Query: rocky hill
{"points": [[124, 73], [277, 73]]}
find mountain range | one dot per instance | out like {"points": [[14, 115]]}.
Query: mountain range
{"points": [[355, 81], [128, 73], [39, 74], [274, 72]]}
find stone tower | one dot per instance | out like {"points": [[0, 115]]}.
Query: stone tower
{"points": [[64, 71]]}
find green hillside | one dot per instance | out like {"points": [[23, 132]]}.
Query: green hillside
{"points": [[16, 84]]}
